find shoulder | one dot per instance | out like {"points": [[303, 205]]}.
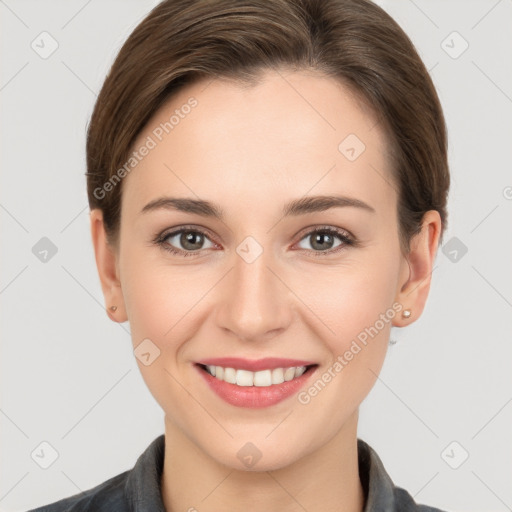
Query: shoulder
{"points": [[380, 491], [121, 492], [107, 496], [405, 503]]}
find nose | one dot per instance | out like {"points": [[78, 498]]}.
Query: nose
{"points": [[255, 303]]}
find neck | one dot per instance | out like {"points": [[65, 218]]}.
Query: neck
{"points": [[325, 480]]}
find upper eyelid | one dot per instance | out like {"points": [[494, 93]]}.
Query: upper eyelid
{"points": [[325, 227]]}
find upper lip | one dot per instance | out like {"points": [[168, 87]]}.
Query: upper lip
{"points": [[267, 363]]}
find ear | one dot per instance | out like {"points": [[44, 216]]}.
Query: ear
{"points": [[107, 264], [416, 271]]}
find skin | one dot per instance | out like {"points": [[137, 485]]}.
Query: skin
{"points": [[251, 150]]}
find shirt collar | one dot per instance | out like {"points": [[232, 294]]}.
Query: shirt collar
{"points": [[143, 489], [377, 484]]}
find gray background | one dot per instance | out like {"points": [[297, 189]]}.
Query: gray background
{"points": [[68, 373]]}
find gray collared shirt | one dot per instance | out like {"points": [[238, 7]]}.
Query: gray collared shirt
{"points": [[138, 489]]}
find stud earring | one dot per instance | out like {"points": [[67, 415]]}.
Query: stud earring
{"points": [[113, 308], [406, 313]]}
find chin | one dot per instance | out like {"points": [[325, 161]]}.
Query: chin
{"points": [[257, 456]]}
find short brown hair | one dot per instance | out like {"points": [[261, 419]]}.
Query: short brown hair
{"points": [[354, 41]]}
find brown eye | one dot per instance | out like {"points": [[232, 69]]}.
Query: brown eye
{"points": [[185, 240], [324, 240]]}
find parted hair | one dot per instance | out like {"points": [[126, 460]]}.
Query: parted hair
{"points": [[353, 41]]}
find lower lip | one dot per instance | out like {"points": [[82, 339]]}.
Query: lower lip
{"points": [[255, 397]]}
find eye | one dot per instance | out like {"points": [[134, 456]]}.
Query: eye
{"points": [[185, 241], [189, 241], [322, 240]]}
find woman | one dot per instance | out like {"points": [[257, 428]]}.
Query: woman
{"points": [[268, 185]]}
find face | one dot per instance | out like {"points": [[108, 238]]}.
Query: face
{"points": [[316, 283]]}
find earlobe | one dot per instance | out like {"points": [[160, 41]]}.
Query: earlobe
{"points": [[413, 291], [107, 265]]}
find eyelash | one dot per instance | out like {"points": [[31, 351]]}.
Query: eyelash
{"points": [[346, 239]]}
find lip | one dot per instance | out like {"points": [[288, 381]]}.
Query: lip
{"points": [[255, 397], [267, 363]]}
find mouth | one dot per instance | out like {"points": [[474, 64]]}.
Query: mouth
{"points": [[264, 387]]}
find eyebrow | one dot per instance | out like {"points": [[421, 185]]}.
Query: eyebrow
{"points": [[302, 206]]}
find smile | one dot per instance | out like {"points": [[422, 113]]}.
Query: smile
{"points": [[255, 384]]}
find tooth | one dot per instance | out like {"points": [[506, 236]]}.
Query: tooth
{"points": [[230, 375], [244, 377], [289, 373], [299, 371], [263, 378], [277, 376]]}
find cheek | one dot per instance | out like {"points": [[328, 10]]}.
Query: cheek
{"points": [[160, 305], [158, 297], [355, 305], [350, 297], [341, 302]]}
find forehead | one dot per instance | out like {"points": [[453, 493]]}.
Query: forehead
{"points": [[290, 133]]}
